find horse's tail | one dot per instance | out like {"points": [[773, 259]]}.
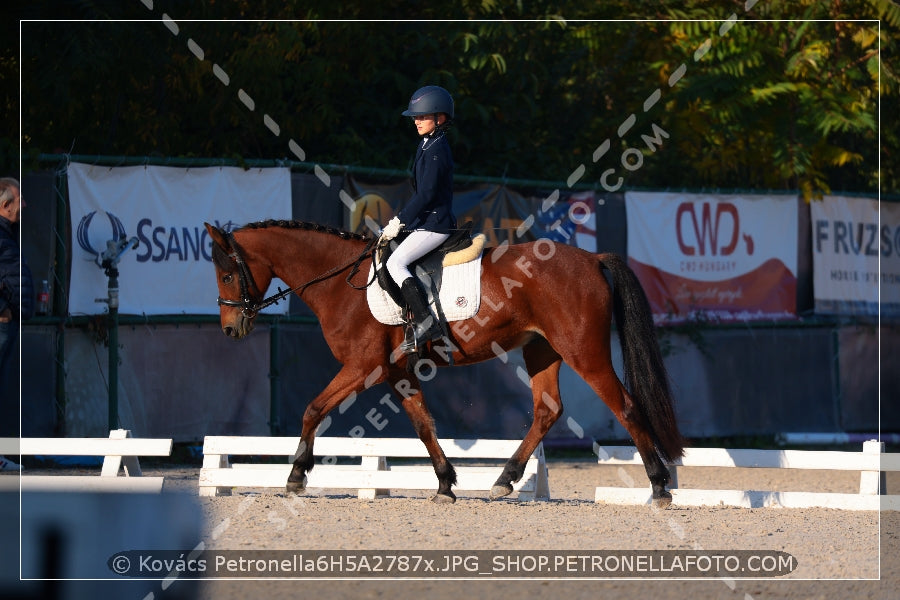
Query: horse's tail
{"points": [[645, 373]]}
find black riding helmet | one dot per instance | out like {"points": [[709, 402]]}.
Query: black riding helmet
{"points": [[429, 100]]}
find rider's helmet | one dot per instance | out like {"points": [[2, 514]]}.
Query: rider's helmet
{"points": [[429, 100]]}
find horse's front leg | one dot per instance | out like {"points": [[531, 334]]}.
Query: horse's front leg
{"points": [[542, 363], [347, 381], [408, 389]]}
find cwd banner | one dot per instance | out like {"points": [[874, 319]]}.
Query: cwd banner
{"points": [[153, 218], [856, 247], [719, 257]]}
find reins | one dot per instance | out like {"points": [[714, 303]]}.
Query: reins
{"points": [[369, 247], [249, 307]]}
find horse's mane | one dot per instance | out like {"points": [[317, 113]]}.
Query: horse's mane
{"points": [[220, 257], [346, 235]]}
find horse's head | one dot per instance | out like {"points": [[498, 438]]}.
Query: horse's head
{"points": [[239, 296]]}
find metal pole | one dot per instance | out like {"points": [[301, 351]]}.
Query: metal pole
{"points": [[115, 248], [113, 331]]}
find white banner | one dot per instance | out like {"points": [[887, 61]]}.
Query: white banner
{"points": [[718, 257], [162, 209], [856, 247]]}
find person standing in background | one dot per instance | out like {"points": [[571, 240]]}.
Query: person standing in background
{"points": [[16, 289]]}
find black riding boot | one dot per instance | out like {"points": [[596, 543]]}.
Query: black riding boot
{"points": [[426, 326]]}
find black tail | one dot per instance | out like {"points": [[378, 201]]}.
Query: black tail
{"points": [[645, 373]]}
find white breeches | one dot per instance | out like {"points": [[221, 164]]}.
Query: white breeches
{"points": [[416, 245]]}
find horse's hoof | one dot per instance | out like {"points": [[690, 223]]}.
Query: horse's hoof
{"points": [[663, 501], [295, 488], [443, 499], [499, 491]]}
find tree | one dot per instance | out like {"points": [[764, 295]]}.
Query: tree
{"points": [[789, 103]]}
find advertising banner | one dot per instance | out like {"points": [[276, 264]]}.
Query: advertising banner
{"points": [[502, 214], [856, 256], [152, 218], [721, 258]]}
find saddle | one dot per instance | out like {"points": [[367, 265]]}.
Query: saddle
{"points": [[428, 270], [453, 267]]}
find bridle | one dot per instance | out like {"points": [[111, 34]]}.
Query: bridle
{"points": [[250, 307]]}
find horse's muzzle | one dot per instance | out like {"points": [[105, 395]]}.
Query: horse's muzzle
{"points": [[240, 328]]}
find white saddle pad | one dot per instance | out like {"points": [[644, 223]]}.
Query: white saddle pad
{"points": [[460, 295]]}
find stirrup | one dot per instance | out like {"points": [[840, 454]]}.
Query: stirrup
{"points": [[409, 345], [413, 342]]}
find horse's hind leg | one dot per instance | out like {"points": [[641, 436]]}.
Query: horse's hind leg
{"points": [[542, 363], [408, 389], [636, 424], [602, 378], [347, 380]]}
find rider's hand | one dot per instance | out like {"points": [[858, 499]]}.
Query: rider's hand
{"points": [[392, 229]]}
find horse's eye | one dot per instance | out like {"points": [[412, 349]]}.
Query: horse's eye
{"points": [[228, 278]]}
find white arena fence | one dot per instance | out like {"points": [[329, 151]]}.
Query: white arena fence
{"points": [[120, 452], [373, 476], [872, 463]]}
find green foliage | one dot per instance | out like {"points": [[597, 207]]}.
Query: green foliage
{"points": [[789, 102]]}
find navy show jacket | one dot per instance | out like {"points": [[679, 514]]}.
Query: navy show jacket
{"points": [[431, 205]]}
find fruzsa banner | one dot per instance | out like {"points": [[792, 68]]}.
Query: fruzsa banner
{"points": [[721, 258], [151, 219], [856, 256]]}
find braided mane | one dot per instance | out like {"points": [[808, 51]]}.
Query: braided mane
{"points": [[346, 235]]}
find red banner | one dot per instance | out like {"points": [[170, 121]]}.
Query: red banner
{"points": [[714, 257]]}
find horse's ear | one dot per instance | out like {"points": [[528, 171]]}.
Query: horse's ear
{"points": [[216, 235]]}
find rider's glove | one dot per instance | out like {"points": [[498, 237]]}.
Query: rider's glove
{"points": [[392, 229]]}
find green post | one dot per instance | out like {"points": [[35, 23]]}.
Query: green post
{"points": [[274, 383], [60, 308]]}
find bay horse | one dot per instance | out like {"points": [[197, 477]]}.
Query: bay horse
{"points": [[552, 300]]}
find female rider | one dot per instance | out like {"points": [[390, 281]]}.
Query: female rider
{"points": [[428, 216]]}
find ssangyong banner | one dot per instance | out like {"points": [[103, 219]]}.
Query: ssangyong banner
{"points": [[162, 211], [853, 252], [721, 258]]}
